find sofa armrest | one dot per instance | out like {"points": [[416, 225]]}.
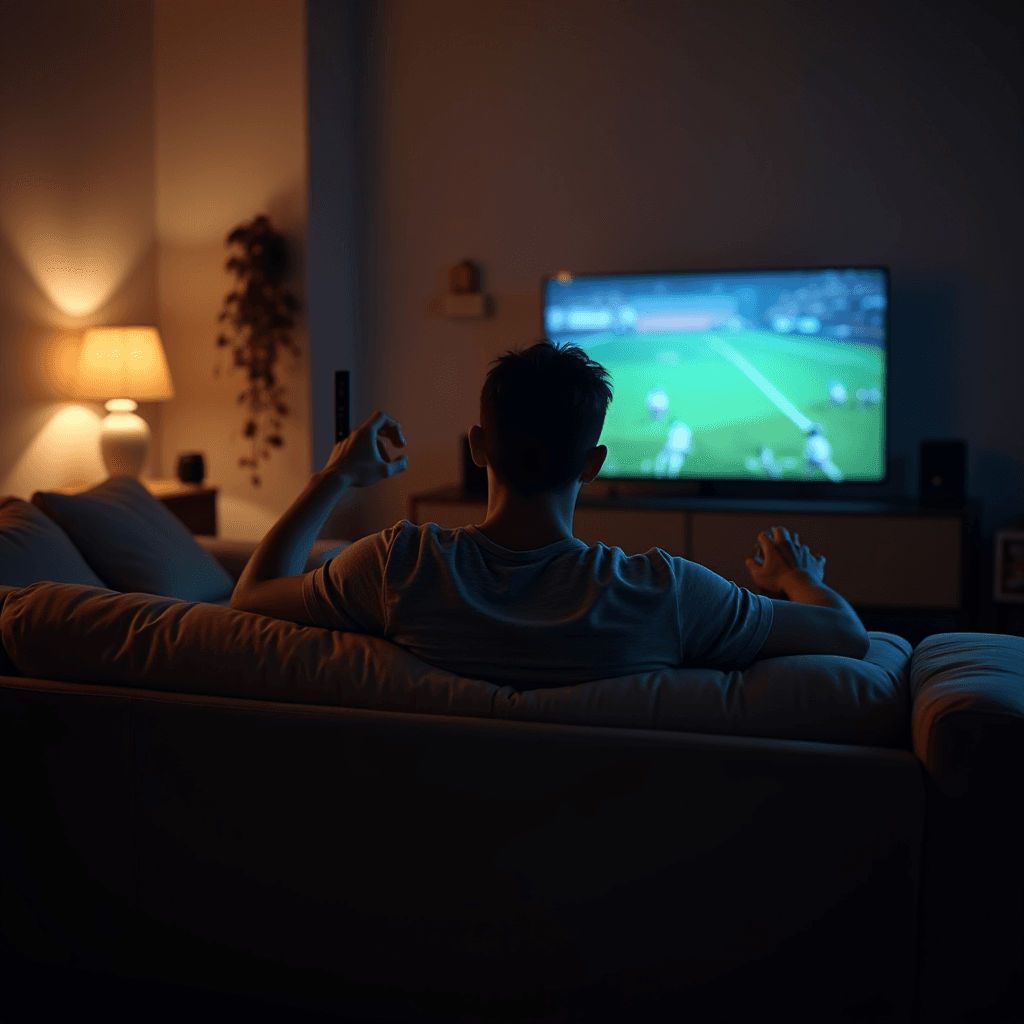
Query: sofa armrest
{"points": [[233, 555], [967, 692]]}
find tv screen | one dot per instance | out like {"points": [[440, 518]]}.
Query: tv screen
{"points": [[735, 375]]}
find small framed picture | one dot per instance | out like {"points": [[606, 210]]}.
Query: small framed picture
{"points": [[1009, 566]]}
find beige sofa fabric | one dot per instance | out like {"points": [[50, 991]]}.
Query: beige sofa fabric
{"points": [[85, 635], [979, 675]]}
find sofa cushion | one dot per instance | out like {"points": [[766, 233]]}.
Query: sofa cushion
{"points": [[7, 667], [964, 685], [159, 644], [135, 543], [34, 548]]}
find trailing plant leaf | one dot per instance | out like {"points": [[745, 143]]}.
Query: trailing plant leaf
{"points": [[260, 312]]}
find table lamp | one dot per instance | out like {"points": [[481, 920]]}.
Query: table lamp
{"points": [[123, 366]]}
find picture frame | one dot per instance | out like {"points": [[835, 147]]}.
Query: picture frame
{"points": [[1008, 566]]}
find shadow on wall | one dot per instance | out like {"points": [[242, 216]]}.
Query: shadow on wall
{"points": [[1000, 477], [922, 380]]}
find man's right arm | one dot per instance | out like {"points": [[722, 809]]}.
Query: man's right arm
{"points": [[809, 618]]}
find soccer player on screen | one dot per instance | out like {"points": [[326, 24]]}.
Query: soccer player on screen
{"points": [[868, 396], [669, 461], [771, 468], [657, 403], [837, 392], [817, 450]]}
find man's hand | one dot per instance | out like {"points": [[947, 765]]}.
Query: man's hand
{"points": [[776, 557], [363, 457], [272, 581], [814, 619]]}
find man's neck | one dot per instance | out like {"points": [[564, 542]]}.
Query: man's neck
{"points": [[525, 524]]}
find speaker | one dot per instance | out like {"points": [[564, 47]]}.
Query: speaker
{"points": [[943, 474], [474, 478], [191, 468]]}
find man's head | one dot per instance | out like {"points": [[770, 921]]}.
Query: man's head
{"points": [[542, 411]]}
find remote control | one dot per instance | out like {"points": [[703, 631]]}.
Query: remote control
{"points": [[341, 405]]}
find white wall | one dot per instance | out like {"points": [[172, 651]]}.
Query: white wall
{"points": [[77, 233], [133, 137], [230, 121]]}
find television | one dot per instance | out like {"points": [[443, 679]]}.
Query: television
{"points": [[735, 375]]}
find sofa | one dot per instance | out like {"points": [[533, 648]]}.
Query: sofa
{"points": [[206, 797]]}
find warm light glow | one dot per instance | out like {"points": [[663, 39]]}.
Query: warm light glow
{"points": [[124, 362], [64, 452], [78, 278]]}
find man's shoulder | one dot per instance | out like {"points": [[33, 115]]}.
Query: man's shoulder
{"points": [[405, 537]]}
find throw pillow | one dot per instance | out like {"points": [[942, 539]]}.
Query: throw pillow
{"points": [[135, 543], [34, 548]]}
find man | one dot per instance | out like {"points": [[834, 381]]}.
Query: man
{"points": [[517, 599]]}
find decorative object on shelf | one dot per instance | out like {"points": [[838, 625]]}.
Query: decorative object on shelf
{"points": [[261, 311], [1008, 575], [191, 468], [464, 300], [123, 366]]}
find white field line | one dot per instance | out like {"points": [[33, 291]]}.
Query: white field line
{"points": [[765, 386]]}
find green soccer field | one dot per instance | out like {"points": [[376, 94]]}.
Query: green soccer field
{"points": [[738, 393]]}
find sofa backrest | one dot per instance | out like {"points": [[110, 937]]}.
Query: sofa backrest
{"points": [[79, 634], [413, 866]]}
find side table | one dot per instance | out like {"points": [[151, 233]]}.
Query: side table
{"points": [[194, 504]]}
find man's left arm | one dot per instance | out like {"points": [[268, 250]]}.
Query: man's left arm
{"points": [[272, 581]]}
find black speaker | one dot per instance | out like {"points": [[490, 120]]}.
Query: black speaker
{"points": [[943, 473], [191, 468], [474, 478]]}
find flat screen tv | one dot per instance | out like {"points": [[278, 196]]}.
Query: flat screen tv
{"points": [[752, 375]]}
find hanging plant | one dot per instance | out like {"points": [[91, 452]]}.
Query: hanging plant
{"points": [[260, 313]]}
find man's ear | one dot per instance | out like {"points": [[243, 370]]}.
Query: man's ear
{"points": [[477, 447], [595, 460]]}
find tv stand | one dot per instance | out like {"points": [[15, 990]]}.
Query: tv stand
{"points": [[884, 557]]}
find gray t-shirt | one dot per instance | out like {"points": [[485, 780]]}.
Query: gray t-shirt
{"points": [[561, 614]]}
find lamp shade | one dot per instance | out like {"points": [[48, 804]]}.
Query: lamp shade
{"points": [[124, 362]]}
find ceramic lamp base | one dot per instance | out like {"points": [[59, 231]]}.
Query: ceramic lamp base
{"points": [[124, 438]]}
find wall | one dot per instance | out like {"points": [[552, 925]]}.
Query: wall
{"points": [[133, 138], [335, 279], [76, 220], [230, 108], [590, 135]]}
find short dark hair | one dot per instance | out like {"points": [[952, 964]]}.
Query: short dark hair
{"points": [[542, 411]]}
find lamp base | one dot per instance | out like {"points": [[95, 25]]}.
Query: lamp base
{"points": [[124, 438]]}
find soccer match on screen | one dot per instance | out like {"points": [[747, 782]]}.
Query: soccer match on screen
{"points": [[772, 375]]}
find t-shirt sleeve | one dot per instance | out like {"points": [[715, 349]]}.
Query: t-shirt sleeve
{"points": [[721, 625], [347, 592]]}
